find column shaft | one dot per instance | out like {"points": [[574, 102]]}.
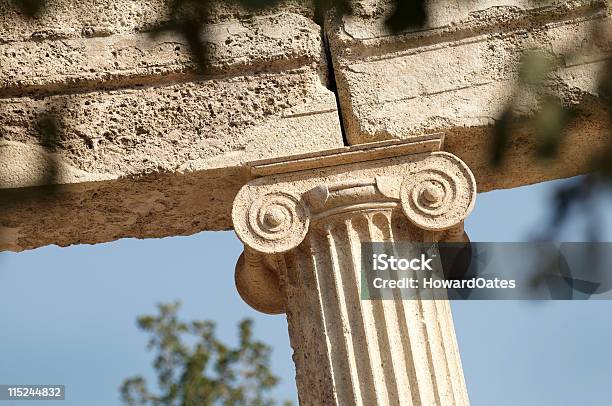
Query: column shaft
{"points": [[350, 351]]}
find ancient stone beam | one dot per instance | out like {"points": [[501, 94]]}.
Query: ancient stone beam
{"points": [[108, 129], [460, 72]]}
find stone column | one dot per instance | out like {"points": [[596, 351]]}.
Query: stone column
{"points": [[303, 220]]}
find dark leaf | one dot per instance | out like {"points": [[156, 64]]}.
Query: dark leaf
{"points": [[501, 135], [30, 8], [407, 14]]}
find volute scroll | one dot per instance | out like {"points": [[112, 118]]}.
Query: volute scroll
{"points": [[440, 195], [271, 222]]}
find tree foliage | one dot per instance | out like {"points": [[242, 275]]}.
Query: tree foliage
{"points": [[195, 368]]}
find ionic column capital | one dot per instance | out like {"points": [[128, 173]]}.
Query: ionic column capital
{"points": [[435, 191], [273, 213]]}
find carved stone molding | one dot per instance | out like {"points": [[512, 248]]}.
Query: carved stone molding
{"points": [[303, 221]]}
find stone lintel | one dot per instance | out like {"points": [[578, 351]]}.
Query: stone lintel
{"points": [[137, 130], [108, 131], [184, 203], [459, 73]]}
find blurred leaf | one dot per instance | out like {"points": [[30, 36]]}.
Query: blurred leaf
{"points": [[501, 136], [407, 14], [49, 128], [30, 8], [322, 7], [188, 18], [259, 4], [549, 125], [535, 67], [605, 87], [50, 132]]}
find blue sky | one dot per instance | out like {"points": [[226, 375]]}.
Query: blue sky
{"points": [[67, 315]]}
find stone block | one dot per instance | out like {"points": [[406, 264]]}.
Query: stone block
{"points": [[459, 74], [128, 139]]}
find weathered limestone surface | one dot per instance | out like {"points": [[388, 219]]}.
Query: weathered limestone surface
{"points": [[62, 19], [303, 233], [460, 73], [275, 42], [96, 113], [144, 146]]}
